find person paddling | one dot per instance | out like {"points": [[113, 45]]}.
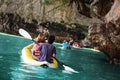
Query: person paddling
{"points": [[47, 50]]}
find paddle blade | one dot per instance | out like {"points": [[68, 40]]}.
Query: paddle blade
{"points": [[68, 69], [25, 34]]}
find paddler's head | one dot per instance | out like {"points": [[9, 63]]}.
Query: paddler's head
{"points": [[40, 38], [51, 39]]}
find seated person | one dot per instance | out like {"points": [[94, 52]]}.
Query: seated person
{"points": [[47, 50], [39, 40], [76, 45], [65, 44]]}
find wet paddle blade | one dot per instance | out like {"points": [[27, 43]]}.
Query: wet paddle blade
{"points": [[65, 68], [25, 34], [69, 69]]}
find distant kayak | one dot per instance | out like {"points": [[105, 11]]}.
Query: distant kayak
{"points": [[76, 46], [27, 58], [91, 49], [64, 48]]}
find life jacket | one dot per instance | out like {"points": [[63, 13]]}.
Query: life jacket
{"points": [[36, 52]]}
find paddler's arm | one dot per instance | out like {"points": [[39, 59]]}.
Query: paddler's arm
{"points": [[54, 55], [54, 52]]}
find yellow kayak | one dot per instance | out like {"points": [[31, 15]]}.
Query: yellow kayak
{"points": [[28, 58]]}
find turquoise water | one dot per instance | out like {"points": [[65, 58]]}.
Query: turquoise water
{"points": [[91, 65]]}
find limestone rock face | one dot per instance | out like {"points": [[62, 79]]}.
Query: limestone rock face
{"points": [[107, 34], [114, 13], [107, 39]]}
